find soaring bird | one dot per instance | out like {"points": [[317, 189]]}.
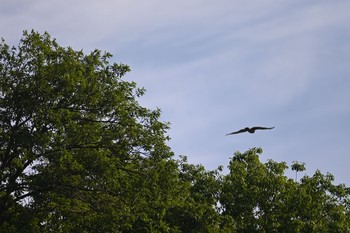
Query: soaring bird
{"points": [[250, 130]]}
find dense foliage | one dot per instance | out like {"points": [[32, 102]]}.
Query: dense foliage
{"points": [[79, 154]]}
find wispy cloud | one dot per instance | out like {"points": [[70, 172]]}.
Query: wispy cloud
{"points": [[214, 66]]}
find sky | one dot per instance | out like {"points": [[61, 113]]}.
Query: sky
{"points": [[214, 67]]}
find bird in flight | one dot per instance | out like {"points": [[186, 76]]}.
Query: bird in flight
{"points": [[250, 130]]}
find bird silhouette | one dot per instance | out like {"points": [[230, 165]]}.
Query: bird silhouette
{"points": [[250, 130]]}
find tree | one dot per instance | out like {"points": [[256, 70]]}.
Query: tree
{"points": [[200, 210], [77, 151], [260, 198], [298, 167]]}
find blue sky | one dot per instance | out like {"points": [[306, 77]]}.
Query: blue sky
{"points": [[216, 66]]}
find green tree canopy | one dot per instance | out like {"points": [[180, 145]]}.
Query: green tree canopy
{"points": [[260, 198], [71, 130]]}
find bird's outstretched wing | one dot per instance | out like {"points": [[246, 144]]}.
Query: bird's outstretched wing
{"points": [[250, 130], [259, 127], [239, 131]]}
